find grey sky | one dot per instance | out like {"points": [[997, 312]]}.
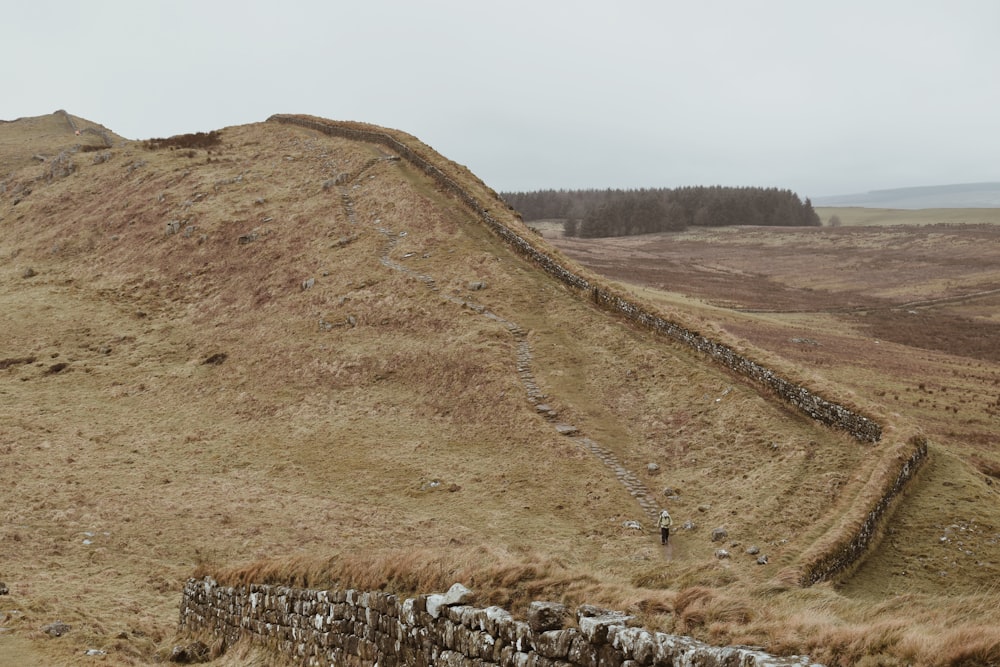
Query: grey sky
{"points": [[820, 97]]}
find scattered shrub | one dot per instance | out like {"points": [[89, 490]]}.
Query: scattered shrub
{"points": [[194, 140]]}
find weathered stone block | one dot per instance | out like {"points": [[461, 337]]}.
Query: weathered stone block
{"points": [[544, 616], [555, 644]]}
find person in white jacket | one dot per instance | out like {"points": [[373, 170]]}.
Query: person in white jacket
{"points": [[664, 523]]}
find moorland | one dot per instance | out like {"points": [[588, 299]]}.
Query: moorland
{"points": [[266, 353]]}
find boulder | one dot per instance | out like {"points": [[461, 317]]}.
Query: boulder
{"points": [[719, 534], [457, 594], [57, 629], [193, 653]]}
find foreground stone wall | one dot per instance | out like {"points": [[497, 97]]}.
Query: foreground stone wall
{"points": [[362, 629], [832, 414]]}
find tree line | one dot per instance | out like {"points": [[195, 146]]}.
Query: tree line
{"points": [[597, 213]]}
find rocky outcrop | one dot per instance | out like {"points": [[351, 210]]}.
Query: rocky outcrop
{"points": [[365, 628]]}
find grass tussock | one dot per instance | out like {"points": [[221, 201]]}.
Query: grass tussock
{"points": [[970, 646], [495, 575], [509, 579]]}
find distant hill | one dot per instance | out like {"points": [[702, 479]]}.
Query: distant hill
{"points": [[962, 195], [37, 139]]}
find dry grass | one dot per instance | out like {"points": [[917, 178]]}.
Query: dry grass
{"points": [[881, 217], [307, 454]]}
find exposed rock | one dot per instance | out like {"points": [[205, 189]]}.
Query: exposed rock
{"points": [[669, 491], [61, 166], [719, 534], [195, 652], [652, 468], [457, 594], [308, 283], [567, 429], [434, 604], [545, 616], [633, 525], [95, 651], [215, 359], [689, 525], [721, 554], [28, 273], [477, 285], [57, 629], [173, 227], [3, 589], [704, 507], [803, 341], [753, 551], [762, 560], [595, 628]]}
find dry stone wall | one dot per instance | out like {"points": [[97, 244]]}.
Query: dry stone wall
{"points": [[827, 412], [366, 628], [848, 543], [849, 551]]}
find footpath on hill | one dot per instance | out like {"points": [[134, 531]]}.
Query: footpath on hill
{"points": [[629, 479]]}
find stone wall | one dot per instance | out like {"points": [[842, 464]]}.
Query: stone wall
{"points": [[850, 545], [816, 407], [362, 629], [844, 546]]}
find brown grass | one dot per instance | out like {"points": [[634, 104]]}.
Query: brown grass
{"points": [[305, 452]]}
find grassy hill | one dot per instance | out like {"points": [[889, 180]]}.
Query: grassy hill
{"points": [[289, 354]]}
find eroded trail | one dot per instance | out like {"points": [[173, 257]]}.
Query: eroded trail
{"points": [[534, 394]]}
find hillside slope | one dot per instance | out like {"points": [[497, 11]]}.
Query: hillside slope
{"points": [[293, 345]]}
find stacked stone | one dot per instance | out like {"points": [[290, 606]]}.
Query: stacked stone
{"points": [[858, 426], [319, 627]]}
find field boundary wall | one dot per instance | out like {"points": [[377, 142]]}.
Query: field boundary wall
{"points": [[843, 546], [860, 427], [367, 628]]}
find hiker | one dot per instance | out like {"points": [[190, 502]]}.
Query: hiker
{"points": [[664, 523]]}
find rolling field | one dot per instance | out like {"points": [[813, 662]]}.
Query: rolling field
{"points": [[907, 314], [292, 356]]}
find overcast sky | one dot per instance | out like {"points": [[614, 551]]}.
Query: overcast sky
{"points": [[823, 98]]}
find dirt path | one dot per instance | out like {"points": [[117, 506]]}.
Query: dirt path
{"points": [[535, 396]]}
